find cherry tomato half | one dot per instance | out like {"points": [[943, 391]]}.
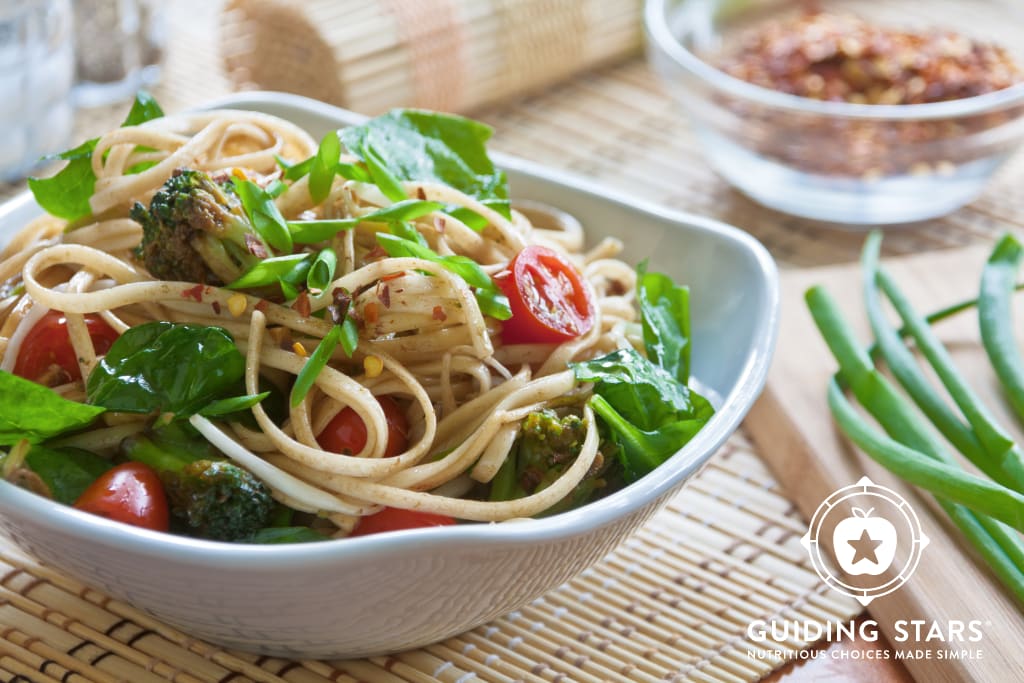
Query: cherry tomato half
{"points": [[396, 519], [346, 433], [129, 493], [550, 301], [47, 345]]}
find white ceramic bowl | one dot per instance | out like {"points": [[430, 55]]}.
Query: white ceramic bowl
{"points": [[406, 589]]}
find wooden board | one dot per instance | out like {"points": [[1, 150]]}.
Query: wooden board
{"points": [[793, 430]]}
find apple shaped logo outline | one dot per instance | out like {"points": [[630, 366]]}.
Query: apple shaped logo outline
{"points": [[864, 487], [864, 544]]}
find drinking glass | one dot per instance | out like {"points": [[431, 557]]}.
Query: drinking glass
{"points": [[36, 74]]}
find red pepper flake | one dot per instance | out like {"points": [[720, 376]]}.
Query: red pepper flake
{"points": [[262, 305], [302, 305], [841, 57], [371, 312], [421, 194], [439, 225], [194, 293], [374, 254], [255, 246], [392, 276], [216, 307], [385, 295], [342, 299], [439, 314]]}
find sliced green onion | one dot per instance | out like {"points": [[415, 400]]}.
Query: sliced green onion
{"points": [[263, 212], [491, 300], [276, 188], [349, 336], [312, 232], [295, 171], [316, 362], [325, 162], [321, 273], [226, 406], [270, 270], [471, 219], [407, 231], [353, 172]]}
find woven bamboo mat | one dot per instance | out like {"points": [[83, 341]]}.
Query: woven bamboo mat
{"points": [[673, 603]]}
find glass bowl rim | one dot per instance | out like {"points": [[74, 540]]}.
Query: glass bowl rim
{"points": [[661, 36]]}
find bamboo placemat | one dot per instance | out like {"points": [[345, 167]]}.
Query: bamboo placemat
{"points": [[673, 603]]}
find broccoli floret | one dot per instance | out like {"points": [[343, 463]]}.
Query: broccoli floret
{"points": [[196, 230], [212, 498], [548, 444]]}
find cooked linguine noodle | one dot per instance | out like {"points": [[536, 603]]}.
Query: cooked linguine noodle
{"points": [[423, 339]]}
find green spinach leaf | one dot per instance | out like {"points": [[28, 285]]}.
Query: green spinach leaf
{"points": [[144, 108], [417, 145], [31, 411], [67, 472], [665, 318], [66, 194], [641, 451], [649, 413], [166, 368]]}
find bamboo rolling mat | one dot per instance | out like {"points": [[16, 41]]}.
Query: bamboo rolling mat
{"points": [[454, 55], [671, 604]]}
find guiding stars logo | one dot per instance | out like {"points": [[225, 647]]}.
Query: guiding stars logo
{"points": [[875, 538]]}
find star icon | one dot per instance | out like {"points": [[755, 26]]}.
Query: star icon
{"points": [[865, 548]]}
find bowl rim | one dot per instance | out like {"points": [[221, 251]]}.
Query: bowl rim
{"points": [[588, 518], [660, 35]]}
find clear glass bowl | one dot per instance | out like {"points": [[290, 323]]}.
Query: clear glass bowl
{"points": [[847, 163]]}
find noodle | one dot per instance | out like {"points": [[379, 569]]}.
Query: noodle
{"points": [[424, 340]]}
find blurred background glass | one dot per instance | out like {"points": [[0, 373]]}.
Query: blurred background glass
{"points": [[36, 73], [120, 44]]}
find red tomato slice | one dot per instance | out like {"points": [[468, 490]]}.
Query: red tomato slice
{"points": [[550, 301], [346, 433], [396, 519], [47, 345], [129, 493]]}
